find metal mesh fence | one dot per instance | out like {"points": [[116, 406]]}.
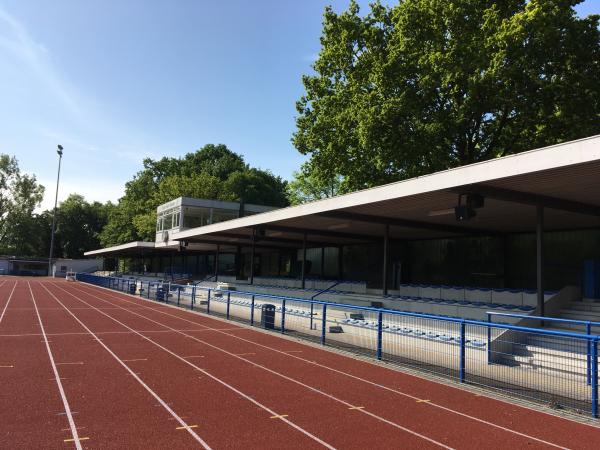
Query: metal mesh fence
{"points": [[559, 369]]}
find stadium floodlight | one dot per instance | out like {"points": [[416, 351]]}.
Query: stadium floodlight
{"points": [[59, 150]]}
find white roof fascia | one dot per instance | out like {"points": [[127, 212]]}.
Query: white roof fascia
{"points": [[135, 244], [555, 156]]}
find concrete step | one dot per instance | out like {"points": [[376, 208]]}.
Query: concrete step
{"points": [[557, 343], [587, 316], [576, 354], [571, 373], [584, 306], [558, 364], [571, 328]]}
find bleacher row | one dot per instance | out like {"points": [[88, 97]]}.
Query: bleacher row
{"points": [[353, 321], [446, 301]]}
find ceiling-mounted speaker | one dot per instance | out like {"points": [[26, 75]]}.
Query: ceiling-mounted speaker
{"points": [[464, 212], [475, 201]]}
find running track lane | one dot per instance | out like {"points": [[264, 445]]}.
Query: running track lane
{"points": [[96, 385], [32, 414], [205, 405], [332, 421], [435, 424], [474, 408]]}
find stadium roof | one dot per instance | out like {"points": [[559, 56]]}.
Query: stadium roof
{"points": [[563, 178], [133, 248]]}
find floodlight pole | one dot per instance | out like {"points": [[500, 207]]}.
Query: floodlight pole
{"points": [[59, 150]]}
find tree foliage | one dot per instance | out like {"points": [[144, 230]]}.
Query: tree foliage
{"points": [[309, 185], [20, 194], [78, 226], [430, 84], [213, 172]]}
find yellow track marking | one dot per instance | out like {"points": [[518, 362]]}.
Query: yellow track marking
{"points": [[8, 367], [357, 407], [138, 359], [279, 416], [423, 401], [80, 439], [186, 427], [70, 363]]}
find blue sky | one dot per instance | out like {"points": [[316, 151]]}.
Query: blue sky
{"points": [[117, 81]]}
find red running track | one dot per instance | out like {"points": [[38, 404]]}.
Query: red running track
{"points": [[86, 367]]}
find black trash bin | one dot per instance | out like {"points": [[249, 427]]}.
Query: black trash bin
{"points": [[267, 318], [160, 294], [132, 288]]}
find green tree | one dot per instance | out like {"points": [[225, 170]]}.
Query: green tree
{"points": [[78, 226], [309, 184], [20, 194], [430, 84], [213, 172]]}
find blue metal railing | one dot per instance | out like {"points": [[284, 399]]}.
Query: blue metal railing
{"points": [[588, 324], [392, 334]]}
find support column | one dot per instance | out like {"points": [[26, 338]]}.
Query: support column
{"points": [[252, 254], [386, 245], [238, 262], [304, 261], [539, 244], [217, 263], [341, 262]]}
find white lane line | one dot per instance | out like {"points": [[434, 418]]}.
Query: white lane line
{"points": [[99, 333], [57, 377], [8, 301], [218, 380], [293, 380], [372, 383], [154, 394]]}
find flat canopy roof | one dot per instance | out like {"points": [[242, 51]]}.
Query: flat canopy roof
{"points": [[133, 248], [563, 178]]}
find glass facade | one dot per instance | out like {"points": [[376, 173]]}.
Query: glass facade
{"points": [[195, 216], [168, 219]]}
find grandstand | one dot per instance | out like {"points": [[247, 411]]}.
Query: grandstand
{"points": [[513, 241]]}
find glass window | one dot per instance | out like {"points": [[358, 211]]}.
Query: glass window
{"points": [[196, 217], [221, 215]]}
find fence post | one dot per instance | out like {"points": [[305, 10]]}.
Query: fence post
{"points": [[324, 324], [178, 294], [489, 339], [208, 302], [193, 297], [588, 331], [228, 303], [252, 312], [283, 316], [594, 377], [462, 352], [312, 310], [379, 334]]}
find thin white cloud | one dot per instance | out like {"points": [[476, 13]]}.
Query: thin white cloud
{"points": [[18, 41], [101, 190]]}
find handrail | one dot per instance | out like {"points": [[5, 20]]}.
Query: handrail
{"points": [[203, 280], [545, 319], [325, 290]]}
